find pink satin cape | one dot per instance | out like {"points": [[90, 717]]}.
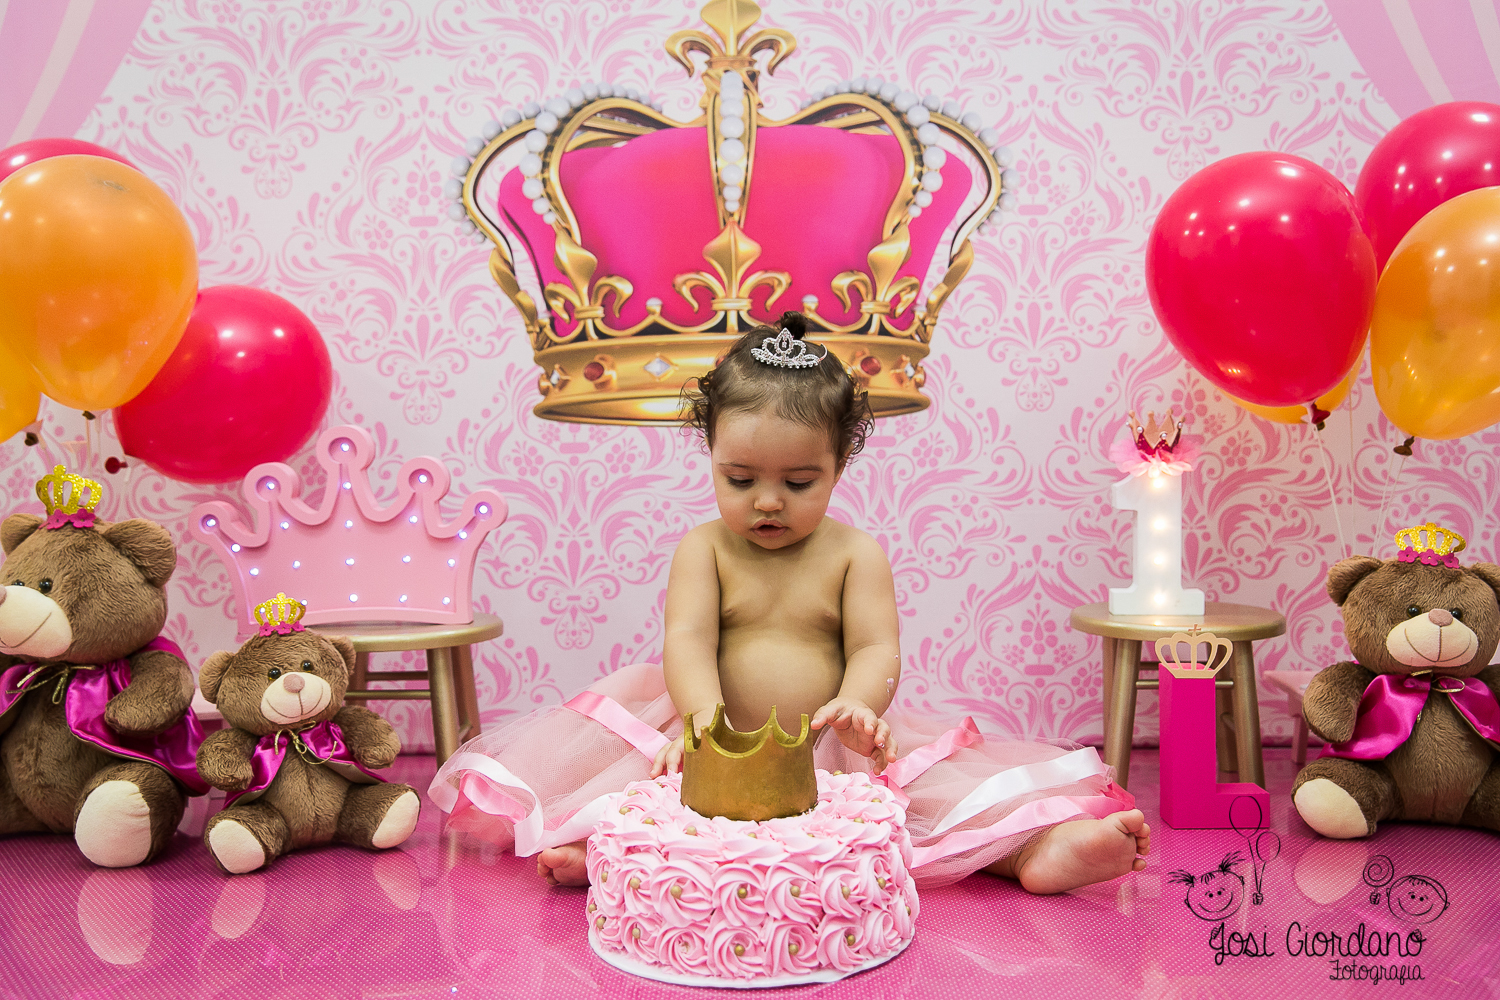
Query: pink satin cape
{"points": [[89, 690], [324, 744], [1390, 705]]}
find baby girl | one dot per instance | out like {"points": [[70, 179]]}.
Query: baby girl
{"points": [[778, 604]]}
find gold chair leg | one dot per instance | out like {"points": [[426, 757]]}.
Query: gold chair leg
{"points": [[1122, 709], [444, 708], [1247, 716], [468, 695], [1107, 649], [1224, 728], [357, 681]]}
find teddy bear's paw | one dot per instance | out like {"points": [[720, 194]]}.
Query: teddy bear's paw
{"points": [[399, 821], [235, 848], [1330, 810], [113, 829]]}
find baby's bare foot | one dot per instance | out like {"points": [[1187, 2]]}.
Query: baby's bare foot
{"points": [[565, 865], [1081, 853]]}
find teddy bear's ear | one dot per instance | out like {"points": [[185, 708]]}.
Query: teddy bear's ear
{"points": [[212, 673], [1346, 573], [16, 529], [345, 646], [148, 545], [1489, 573]]}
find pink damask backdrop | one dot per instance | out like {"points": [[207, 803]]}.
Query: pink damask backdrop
{"points": [[308, 143]]}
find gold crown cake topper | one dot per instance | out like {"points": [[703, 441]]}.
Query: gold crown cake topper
{"points": [[759, 775], [1430, 545], [281, 615], [1219, 651], [63, 492]]}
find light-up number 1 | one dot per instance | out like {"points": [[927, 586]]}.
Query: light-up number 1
{"points": [[1156, 569]]}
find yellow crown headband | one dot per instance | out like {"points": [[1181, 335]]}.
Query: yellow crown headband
{"points": [[281, 615], [1430, 545], [63, 494]]}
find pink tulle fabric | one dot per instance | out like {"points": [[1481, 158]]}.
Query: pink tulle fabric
{"points": [[530, 784]]}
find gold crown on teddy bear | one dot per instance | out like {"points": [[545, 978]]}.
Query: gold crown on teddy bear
{"points": [[1430, 545], [65, 491], [281, 614]]}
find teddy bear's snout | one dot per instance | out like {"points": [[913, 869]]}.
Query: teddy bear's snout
{"points": [[295, 696], [1435, 639], [32, 624]]}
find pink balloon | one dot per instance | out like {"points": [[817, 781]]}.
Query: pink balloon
{"points": [[1262, 276], [1436, 154], [13, 158], [249, 383]]}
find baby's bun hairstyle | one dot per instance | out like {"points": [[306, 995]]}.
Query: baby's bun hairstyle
{"points": [[823, 397]]}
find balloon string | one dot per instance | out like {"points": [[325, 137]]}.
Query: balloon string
{"points": [[1391, 488], [1353, 472], [1332, 496]]}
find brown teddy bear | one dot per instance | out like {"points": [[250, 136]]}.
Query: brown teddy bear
{"points": [[296, 759], [96, 736], [1413, 724]]}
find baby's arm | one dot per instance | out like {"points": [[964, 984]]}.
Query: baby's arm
{"points": [[690, 652], [872, 654]]}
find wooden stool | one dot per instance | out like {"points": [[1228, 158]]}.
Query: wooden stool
{"points": [[1294, 683], [1238, 708], [449, 674]]}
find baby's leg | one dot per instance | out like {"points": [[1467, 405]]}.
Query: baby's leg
{"points": [[563, 865], [1080, 853]]}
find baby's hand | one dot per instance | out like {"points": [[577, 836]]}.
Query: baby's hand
{"points": [[668, 758], [859, 729]]}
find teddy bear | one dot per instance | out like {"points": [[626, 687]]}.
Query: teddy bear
{"points": [[1413, 721], [96, 734], [295, 759]]}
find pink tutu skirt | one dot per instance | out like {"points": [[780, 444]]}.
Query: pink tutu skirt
{"points": [[971, 799]]}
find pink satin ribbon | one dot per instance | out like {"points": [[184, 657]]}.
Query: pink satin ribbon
{"points": [[1390, 707], [613, 716], [900, 773], [89, 690]]}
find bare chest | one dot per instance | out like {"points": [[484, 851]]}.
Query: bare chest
{"points": [[798, 597]]}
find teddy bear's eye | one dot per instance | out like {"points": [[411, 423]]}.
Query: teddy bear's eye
{"points": [[273, 673], [45, 586], [307, 664], [1457, 613], [1413, 611], [17, 583]]}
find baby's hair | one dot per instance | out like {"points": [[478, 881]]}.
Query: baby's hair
{"points": [[822, 397]]}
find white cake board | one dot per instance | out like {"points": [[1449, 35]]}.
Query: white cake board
{"points": [[663, 975]]}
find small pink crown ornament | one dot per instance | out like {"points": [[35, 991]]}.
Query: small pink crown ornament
{"points": [[348, 556]]}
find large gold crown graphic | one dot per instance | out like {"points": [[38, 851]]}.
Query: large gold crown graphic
{"points": [[848, 210], [759, 775]]}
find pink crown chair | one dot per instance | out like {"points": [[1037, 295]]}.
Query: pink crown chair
{"points": [[393, 577]]}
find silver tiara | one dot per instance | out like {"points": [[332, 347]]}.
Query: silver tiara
{"points": [[778, 351]]}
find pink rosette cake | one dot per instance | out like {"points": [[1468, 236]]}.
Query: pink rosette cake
{"points": [[681, 898]]}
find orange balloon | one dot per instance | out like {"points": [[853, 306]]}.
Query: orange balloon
{"points": [[98, 275], [1435, 336], [19, 396], [1299, 414]]}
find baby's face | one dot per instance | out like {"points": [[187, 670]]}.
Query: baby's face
{"points": [[772, 477]]}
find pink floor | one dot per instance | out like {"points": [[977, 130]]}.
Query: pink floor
{"points": [[446, 916]]}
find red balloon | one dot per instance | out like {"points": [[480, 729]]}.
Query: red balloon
{"points": [[1262, 276], [13, 158], [249, 383], [1436, 154]]}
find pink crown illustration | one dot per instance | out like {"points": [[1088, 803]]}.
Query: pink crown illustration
{"points": [[653, 243], [349, 557]]}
